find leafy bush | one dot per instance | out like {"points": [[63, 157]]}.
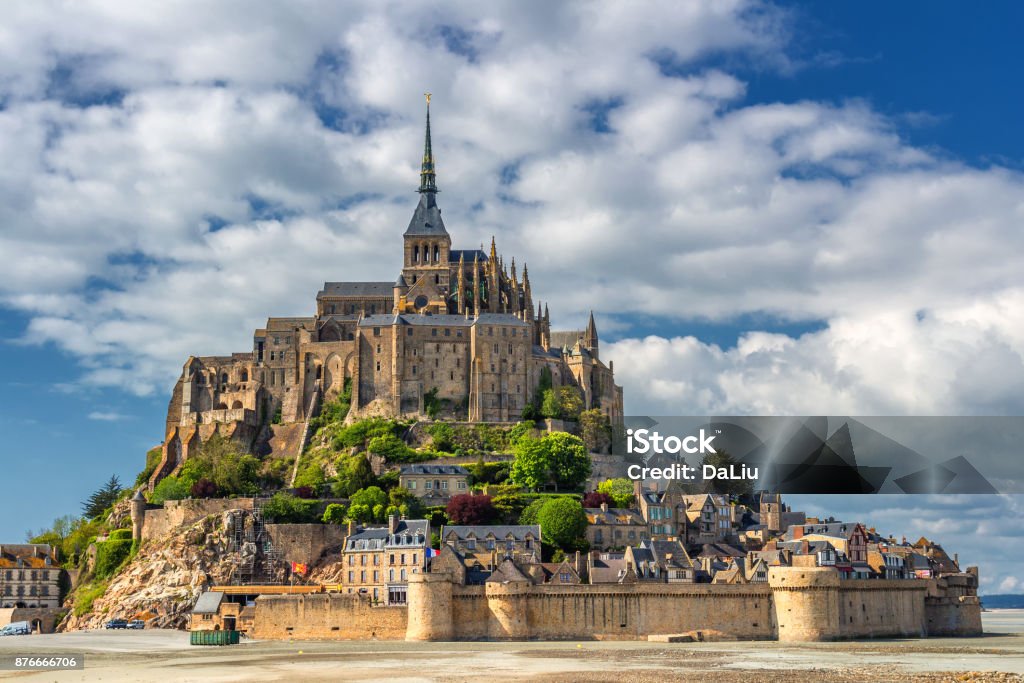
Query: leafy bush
{"points": [[169, 488], [620, 490], [469, 509], [87, 595], [204, 488], [334, 514], [563, 403], [359, 433], [334, 411], [371, 497], [310, 477], [442, 436], [285, 508], [563, 522], [531, 512], [391, 447], [354, 473], [110, 555], [596, 430], [595, 500], [120, 535]]}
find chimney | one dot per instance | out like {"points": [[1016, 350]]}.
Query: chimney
{"points": [[578, 564], [798, 532], [604, 507], [392, 523], [351, 528], [956, 560]]}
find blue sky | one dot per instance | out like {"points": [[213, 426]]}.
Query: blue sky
{"points": [[772, 207]]}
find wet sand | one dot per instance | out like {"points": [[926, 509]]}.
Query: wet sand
{"points": [[167, 656]]}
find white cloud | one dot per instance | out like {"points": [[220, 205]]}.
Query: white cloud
{"points": [[107, 416]]}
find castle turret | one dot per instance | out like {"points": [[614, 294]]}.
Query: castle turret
{"points": [[138, 514], [398, 291], [429, 597], [806, 602]]}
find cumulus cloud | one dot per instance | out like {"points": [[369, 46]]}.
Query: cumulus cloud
{"points": [[174, 176]]}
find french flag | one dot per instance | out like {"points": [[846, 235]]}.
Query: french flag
{"points": [[430, 552]]}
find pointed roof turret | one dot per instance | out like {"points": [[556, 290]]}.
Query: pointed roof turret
{"points": [[426, 220]]}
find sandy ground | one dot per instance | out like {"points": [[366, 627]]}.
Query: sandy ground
{"points": [[166, 656]]}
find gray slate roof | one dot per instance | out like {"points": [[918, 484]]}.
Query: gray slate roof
{"points": [[467, 254], [837, 529], [615, 516], [208, 603], [433, 469], [354, 289], [501, 531], [377, 538], [426, 219]]}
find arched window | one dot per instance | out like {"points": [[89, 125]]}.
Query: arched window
{"points": [[224, 378], [244, 376], [416, 254], [437, 254], [237, 405]]}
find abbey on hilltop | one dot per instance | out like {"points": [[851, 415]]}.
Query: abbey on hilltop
{"points": [[456, 326]]}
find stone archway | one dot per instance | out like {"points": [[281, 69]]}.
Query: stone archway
{"points": [[333, 375]]}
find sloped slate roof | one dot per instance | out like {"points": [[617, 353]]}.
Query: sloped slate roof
{"points": [[356, 289], [208, 603], [433, 469], [426, 219]]}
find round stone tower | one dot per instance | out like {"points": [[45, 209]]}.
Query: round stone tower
{"points": [[430, 607], [806, 602], [507, 604], [138, 514]]}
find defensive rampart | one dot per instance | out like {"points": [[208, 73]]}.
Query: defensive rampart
{"points": [[795, 605]]}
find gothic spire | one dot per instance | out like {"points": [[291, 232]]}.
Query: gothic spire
{"points": [[590, 336], [428, 182]]}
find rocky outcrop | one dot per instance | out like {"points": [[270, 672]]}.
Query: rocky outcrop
{"points": [[162, 582]]}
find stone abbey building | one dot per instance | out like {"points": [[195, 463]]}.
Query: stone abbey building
{"points": [[456, 325]]}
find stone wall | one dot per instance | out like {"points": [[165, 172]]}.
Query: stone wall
{"points": [[176, 513], [797, 604], [334, 616], [305, 543]]}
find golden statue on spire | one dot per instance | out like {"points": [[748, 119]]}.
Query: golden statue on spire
{"points": [[427, 95]]}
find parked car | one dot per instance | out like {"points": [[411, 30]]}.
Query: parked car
{"points": [[137, 624], [116, 623], [17, 628]]}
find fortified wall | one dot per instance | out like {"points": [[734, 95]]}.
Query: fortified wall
{"points": [[795, 605]]}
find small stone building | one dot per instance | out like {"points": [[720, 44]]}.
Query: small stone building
{"points": [[487, 545], [29, 576], [379, 560]]}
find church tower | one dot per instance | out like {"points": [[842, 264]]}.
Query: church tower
{"points": [[427, 244]]}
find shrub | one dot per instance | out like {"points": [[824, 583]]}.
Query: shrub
{"points": [[204, 488], [110, 555], [391, 447], [360, 513], [86, 596], [334, 514], [120, 535], [371, 497], [595, 500], [596, 430], [169, 488], [558, 457], [359, 433], [562, 522], [442, 436], [285, 508], [305, 492], [469, 509], [431, 404], [620, 490], [531, 511], [310, 477]]}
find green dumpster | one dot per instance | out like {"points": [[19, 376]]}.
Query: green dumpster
{"points": [[214, 637]]}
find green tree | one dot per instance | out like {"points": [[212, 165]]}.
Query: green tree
{"points": [[102, 498], [531, 466], [531, 511], [596, 430], [360, 513], [620, 489], [569, 461], [562, 522], [558, 457], [334, 514], [442, 437], [371, 497]]}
